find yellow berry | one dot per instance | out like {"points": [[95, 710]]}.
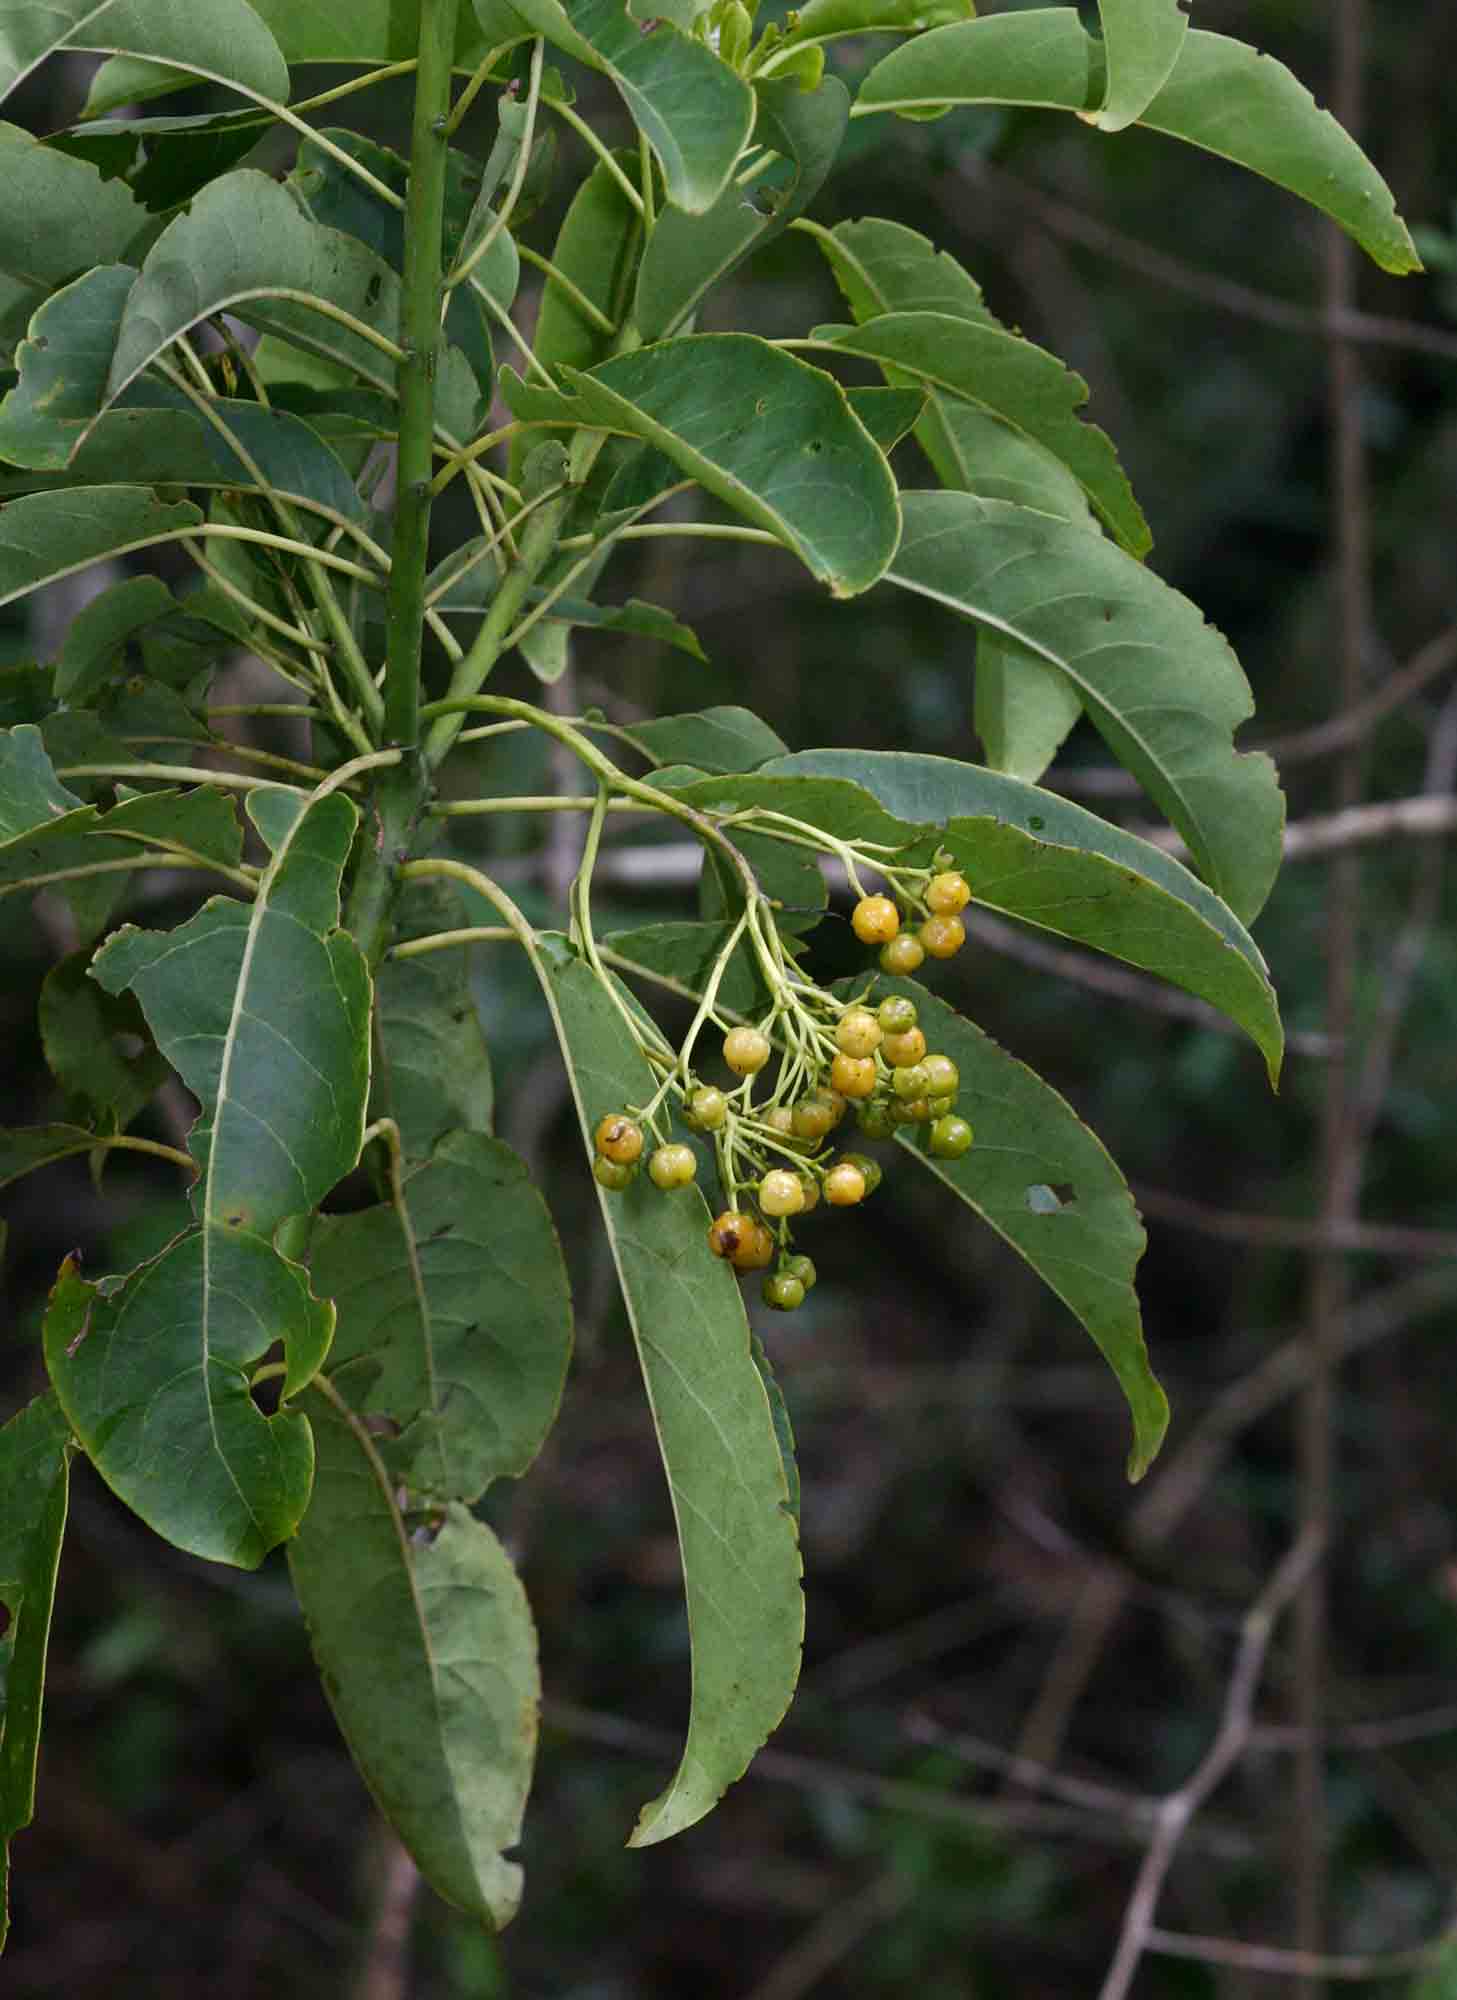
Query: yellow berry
{"points": [[853, 1076], [780, 1193], [745, 1051], [812, 1118], [619, 1139], [844, 1185], [858, 1034], [947, 895], [875, 920], [943, 937], [902, 1051]]}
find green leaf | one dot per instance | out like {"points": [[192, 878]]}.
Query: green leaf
{"points": [[97, 1045], [1040, 858], [338, 199], [1007, 377], [264, 1012], [427, 1653], [597, 248], [827, 20], [687, 254], [1022, 708], [715, 1426], [153, 1376], [888, 414], [715, 739], [196, 823], [1141, 44], [24, 1148], [49, 535], [432, 1069], [35, 1454], [164, 161], [31, 795], [1222, 95], [363, 32], [694, 111], [455, 1318], [100, 629], [771, 437], [683, 955], [59, 217], [1161, 686], [837, 804], [63, 364], [226, 40], [1045, 1183]]}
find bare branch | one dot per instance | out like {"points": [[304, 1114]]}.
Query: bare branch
{"points": [[1274, 1232], [1295, 1964], [1231, 1738]]}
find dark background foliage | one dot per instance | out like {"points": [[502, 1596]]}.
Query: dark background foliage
{"points": [[982, 1585]]}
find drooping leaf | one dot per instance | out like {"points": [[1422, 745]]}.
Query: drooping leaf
{"points": [[226, 41], [888, 414], [687, 254], [1161, 686], [1023, 386], [1141, 44], [694, 111], [827, 20], [432, 1069], [1040, 858], [1221, 95], [455, 1318], [428, 1656], [264, 1011], [50, 535], [164, 161], [31, 795], [1045, 1183], [772, 438], [35, 1453], [97, 1045], [59, 217], [715, 1426], [715, 739], [1022, 708], [196, 824]]}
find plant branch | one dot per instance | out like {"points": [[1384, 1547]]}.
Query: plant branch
{"points": [[1178, 1808]]}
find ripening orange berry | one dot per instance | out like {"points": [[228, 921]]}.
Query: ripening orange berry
{"points": [[853, 1076], [942, 937], [844, 1185], [745, 1051], [947, 895]]}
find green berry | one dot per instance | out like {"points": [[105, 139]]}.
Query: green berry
{"points": [[941, 1105], [707, 1108], [904, 954], [672, 1167], [896, 1014], [874, 1119], [950, 1138], [783, 1291], [803, 1269], [612, 1174], [943, 1078], [911, 1081]]}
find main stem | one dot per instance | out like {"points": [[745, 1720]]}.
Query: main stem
{"points": [[400, 793]]}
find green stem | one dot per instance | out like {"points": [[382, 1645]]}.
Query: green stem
{"points": [[537, 543], [447, 940], [578, 297], [420, 303]]}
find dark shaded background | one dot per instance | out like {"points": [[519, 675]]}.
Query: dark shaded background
{"points": [[982, 1584]]}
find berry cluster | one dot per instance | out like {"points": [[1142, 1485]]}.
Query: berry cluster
{"points": [[774, 1159], [940, 934]]}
